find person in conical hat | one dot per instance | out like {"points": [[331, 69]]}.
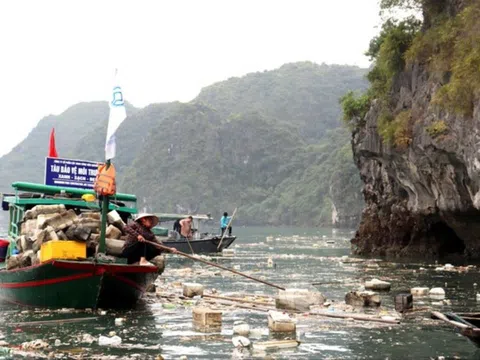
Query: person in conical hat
{"points": [[135, 248]]}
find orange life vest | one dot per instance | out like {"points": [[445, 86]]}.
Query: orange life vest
{"points": [[105, 181]]}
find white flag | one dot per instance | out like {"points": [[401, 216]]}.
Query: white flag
{"points": [[117, 115]]}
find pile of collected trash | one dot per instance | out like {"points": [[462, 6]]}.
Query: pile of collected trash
{"points": [[45, 223]]}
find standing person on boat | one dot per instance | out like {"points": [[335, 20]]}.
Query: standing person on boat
{"points": [[135, 248], [176, 226], [224, 220], [186, 227]]}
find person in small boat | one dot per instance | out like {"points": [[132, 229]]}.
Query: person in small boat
{"points": [[224, 220], [135, 248], [176, 226], [186, 227]]}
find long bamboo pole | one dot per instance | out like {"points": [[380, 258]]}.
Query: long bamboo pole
{"points": [[166, 248]]}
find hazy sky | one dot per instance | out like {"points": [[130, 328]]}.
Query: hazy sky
{"points": [[57, 53]]}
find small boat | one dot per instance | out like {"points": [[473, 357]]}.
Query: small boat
{"points": [[71, 283], [202, 243], [467, 323]]}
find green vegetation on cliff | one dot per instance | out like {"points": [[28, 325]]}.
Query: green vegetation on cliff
{"points": [[387, 51], [452, 46], [270, 143], [447, 43]]}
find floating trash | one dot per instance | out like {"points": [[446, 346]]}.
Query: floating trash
{"points": [[109, 341]]}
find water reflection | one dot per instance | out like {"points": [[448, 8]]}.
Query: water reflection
{"points": [[301, 257]]}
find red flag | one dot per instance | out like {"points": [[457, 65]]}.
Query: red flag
{"points": [[52, 151]]}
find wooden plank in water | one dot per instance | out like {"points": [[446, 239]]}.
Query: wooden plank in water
{"points": [[238, 300], [275, 344], [51, 322], [356, 317]]}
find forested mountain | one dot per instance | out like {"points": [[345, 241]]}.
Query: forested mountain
{"points": [[270, 143], [304, 94]]}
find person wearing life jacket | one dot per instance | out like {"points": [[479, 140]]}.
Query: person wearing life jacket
{"points": [[105, 184], [225, 219], [135, 248]]}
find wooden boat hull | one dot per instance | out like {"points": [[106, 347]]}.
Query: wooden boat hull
{"points": [[201, 246], [466, 323], [76, 284], [473, 334]]}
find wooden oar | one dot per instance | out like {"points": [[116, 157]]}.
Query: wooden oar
{"points": [[223, 235], [163, 247]]}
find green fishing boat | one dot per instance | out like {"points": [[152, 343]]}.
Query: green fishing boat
{"points": [[56, 269], [79, 283]]}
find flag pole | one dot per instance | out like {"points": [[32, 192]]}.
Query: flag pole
{"points": [[116, 117]]}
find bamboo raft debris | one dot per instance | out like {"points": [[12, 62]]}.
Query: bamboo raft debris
{"points": [[236, 299], [242, 303], [51, 322], [356, 317]]}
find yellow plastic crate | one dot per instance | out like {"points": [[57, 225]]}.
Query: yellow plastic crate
{"points": [[63, 249]]}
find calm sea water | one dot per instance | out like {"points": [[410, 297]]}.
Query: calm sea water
{"points": [[302, 257]]}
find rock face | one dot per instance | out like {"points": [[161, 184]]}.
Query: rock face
{"points": [[422, 199]]}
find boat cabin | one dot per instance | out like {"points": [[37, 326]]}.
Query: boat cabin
{"points": [[27, 195]]}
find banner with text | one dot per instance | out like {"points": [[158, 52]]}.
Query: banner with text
{"points": [[70, 173]]}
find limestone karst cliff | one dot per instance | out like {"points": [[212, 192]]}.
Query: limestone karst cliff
{"points": [[417, 143]]}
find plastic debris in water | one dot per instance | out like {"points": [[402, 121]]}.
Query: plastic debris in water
{"points": [[109, 341], [275, 344], [88, 339], [34, 345], [240, 341]]}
